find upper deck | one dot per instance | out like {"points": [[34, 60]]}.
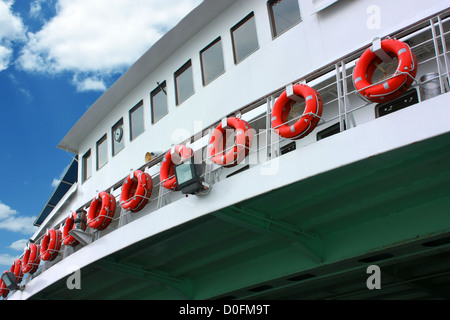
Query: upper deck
{"points": [[311, 50], [312, 42]]}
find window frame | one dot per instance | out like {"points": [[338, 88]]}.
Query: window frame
{"points": [[102, 140], [140, 104], [209, 46], [246, 19], [178, 73], [114, 141], [161, 88], [86, 164], [275, 34]]}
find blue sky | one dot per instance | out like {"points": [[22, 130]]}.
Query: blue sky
{"points": [[56, 58]]}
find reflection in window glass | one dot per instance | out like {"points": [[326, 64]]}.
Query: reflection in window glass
{"points": [[245, 40], [87, 166], [212, 61], [184, 83], [136, 121], [102, 152], [117, 137], [159, 102], [283, 15]]}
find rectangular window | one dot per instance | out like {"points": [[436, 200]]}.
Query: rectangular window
{"points": [[159, 102], [328, 132], [184, 82], [87, 166], [136, 120], [102, 152], [245, 40], [283, 14], [117, 137], [212, 63]]}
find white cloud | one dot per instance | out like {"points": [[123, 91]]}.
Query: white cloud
{"points": [[5, 57], [55, 182], [35, 8], [19, 245], [6, 211], [11, 30], [11, 221], [99, 37], [88, 84], [11, 26], [7, 260]]}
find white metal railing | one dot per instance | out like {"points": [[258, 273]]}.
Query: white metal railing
{"points": [[331, 80]]}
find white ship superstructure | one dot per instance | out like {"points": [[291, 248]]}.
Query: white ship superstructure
{"points": [[298, 217]]}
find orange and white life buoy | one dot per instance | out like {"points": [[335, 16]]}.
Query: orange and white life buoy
{"points": [[230, 156], [136, 191], [306, 122], [50, 245], [16, 268], [396, 84], [101, 211], [167, 172], [31, 260], [72, 222]]}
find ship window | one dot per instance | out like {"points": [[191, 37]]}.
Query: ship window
{"points": [[184, 82], [328, 132], [117, 140], [211, 59], [102, 152], [87, 166], [283, 14], [245, 40], [159, 102], [136, 120]]}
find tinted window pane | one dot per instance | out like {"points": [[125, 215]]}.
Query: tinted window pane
{"points": [[159, 102], [184, 83], [137, 120], [284, 14], [245, 40], [87, 165], [102, 152], [212, 61]]}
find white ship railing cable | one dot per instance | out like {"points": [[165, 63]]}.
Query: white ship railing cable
{"points": [[273, 141]]}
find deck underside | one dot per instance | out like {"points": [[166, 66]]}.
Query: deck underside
{"points": [[310, 240]]}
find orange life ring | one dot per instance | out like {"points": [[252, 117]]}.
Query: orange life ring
{"points": [[307, 122], [70, 224], [50, 245], [396, 85], [136, 191], [101, 211], [229, 157], [167, 172], [31, 260], [17, 269]]}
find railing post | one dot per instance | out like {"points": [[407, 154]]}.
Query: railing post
{"points": [[339, 92], [436, 51], [444, 49], [269, 102]]}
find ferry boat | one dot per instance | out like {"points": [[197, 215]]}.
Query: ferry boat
{"points": [[281, 149]]}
